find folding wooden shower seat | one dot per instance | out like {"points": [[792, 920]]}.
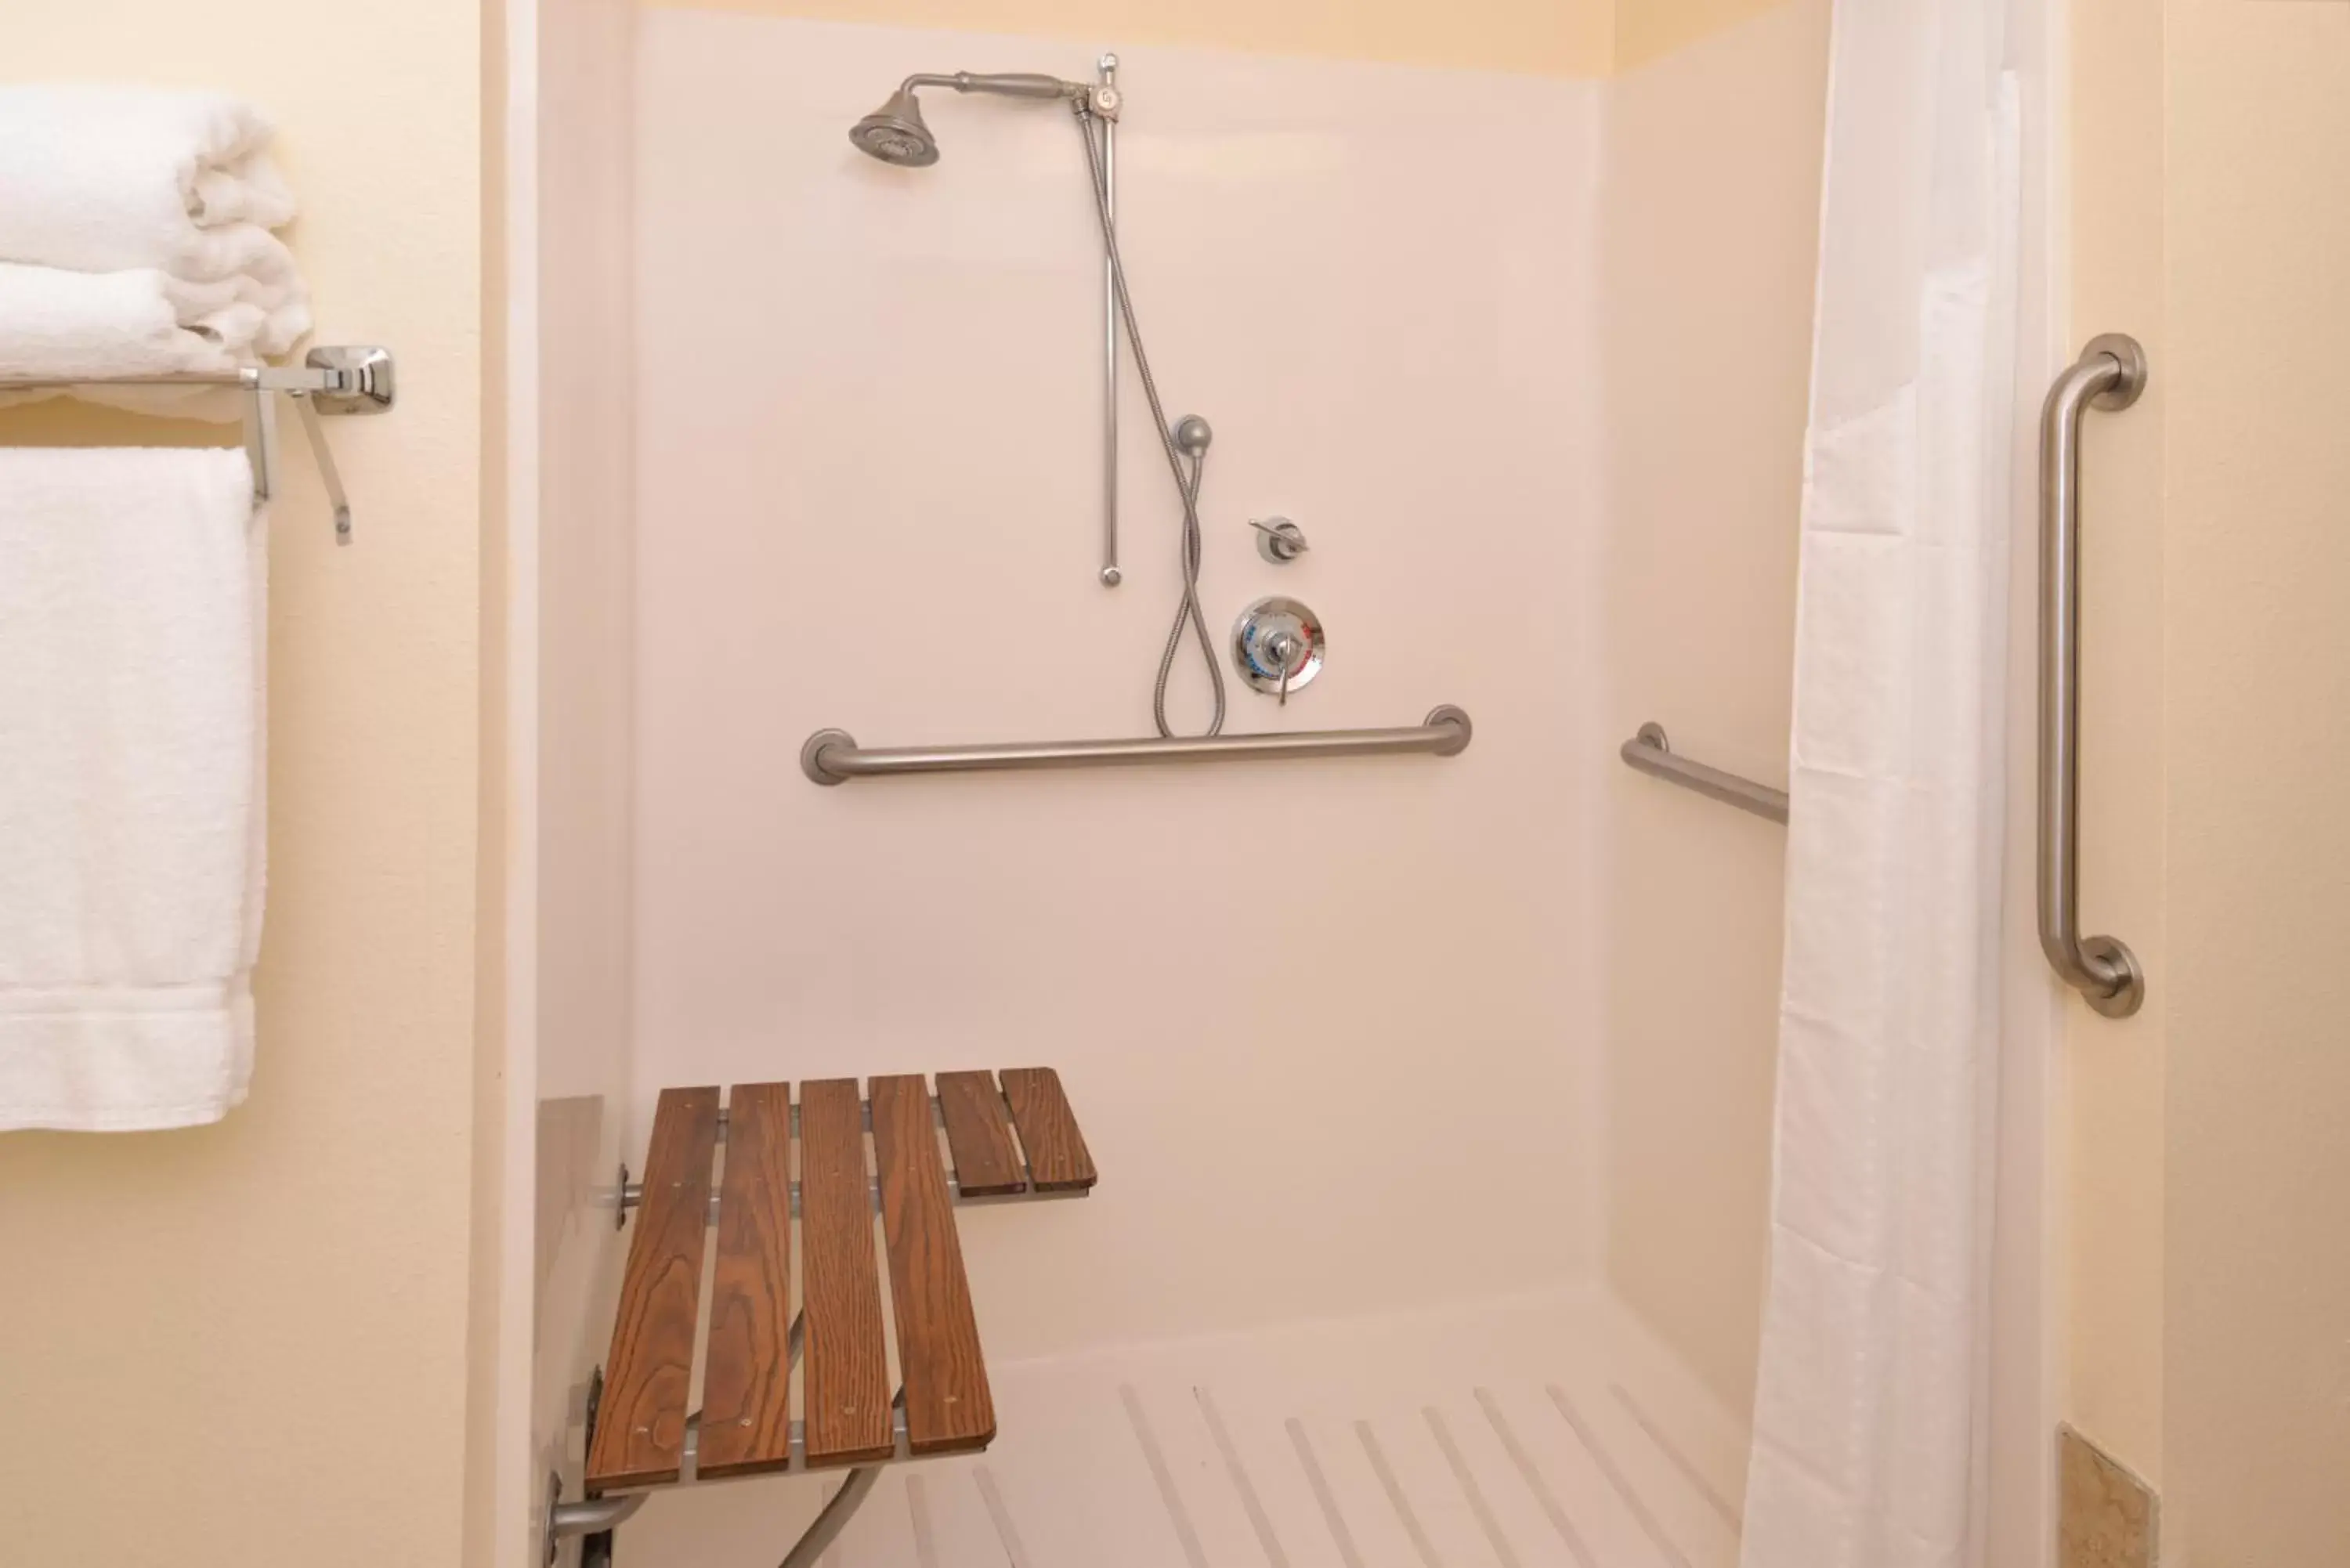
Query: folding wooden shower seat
{"points": [[753, 1349]]}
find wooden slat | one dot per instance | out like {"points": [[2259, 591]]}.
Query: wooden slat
{"points": [[948, 1409], [977, 1135], [1057, 1159], [640, 1426], [847, 1398], [746, 1423]]}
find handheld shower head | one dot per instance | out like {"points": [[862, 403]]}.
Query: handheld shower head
{"points": [[895, 133]]}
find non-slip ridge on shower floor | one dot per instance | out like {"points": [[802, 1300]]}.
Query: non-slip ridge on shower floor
{"points": [[1538, 1432]]}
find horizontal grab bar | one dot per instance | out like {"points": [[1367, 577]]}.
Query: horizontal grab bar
{"points": [[833, 756], [1650, 753]]}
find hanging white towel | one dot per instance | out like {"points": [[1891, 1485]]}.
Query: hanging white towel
{"points": [[100, 179], [132, 596]]}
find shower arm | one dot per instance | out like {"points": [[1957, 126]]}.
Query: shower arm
{"points": [[1003, 84]]}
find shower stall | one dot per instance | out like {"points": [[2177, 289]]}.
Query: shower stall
{"points": [[1432, 1094]]}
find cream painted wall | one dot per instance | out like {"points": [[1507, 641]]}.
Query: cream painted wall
{"points": [[2256, 846], [247, 1345], [2210, 1291], [1709, 230], [2113, 1070]]}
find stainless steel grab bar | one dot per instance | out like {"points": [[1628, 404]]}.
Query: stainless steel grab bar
{"points": [[2110, 374], [833, 756], [1651, 754]]}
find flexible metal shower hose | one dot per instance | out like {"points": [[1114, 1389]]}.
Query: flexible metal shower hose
{"points": [[1187, 485]]}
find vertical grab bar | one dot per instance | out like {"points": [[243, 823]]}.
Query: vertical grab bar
{"points": [[2110, 374]]}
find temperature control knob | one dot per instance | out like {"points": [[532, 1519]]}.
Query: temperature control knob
{"points": [[1278, 645]]}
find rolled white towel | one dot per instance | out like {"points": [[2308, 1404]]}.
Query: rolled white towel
{"points": [[94, 325], [256, 264], [102, 179]]}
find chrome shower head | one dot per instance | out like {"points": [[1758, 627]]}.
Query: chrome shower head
{"points": [[895, 133]]}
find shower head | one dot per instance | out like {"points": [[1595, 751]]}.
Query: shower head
{"points": [[895, 132]]}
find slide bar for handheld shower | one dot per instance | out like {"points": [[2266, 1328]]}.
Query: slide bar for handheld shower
{"points": [[897, 134], [833, 756], [1111, 573]]}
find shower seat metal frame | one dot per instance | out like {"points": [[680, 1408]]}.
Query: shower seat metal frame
{"points": [[1008, 1142]]}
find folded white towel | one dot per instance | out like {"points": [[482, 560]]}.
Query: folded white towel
{"points": [[101, 324], [101, 179], [255, 266], [120, 204], [132, 588], [142, 323]]}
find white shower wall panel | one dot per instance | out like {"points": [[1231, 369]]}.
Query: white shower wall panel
{"points": [[1332, 1027]]}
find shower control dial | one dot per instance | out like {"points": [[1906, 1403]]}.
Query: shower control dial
{"points": [[1279, 646]]}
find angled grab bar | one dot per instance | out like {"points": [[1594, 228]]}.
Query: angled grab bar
{"points": [[833, 756], [1652, 753], [2110, 374]]}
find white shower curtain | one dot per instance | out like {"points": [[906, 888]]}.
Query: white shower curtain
{"points": [[1870, 1408]]}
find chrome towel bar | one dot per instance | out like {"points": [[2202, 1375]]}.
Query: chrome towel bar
{"points": [[1651, 754], [833, 756], [333, 380], [2110, 374]]}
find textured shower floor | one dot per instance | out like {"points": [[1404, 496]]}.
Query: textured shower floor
{"points": [[1536, 1432]]}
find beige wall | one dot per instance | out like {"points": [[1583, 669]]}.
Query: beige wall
{"points": [[2256, 686], [1709, 231], [2209, 1288], [247, 1345], [2112, 1070]]}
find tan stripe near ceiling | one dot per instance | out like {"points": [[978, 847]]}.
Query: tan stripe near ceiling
{"points": [[1645, 30], [1538, 37]]}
